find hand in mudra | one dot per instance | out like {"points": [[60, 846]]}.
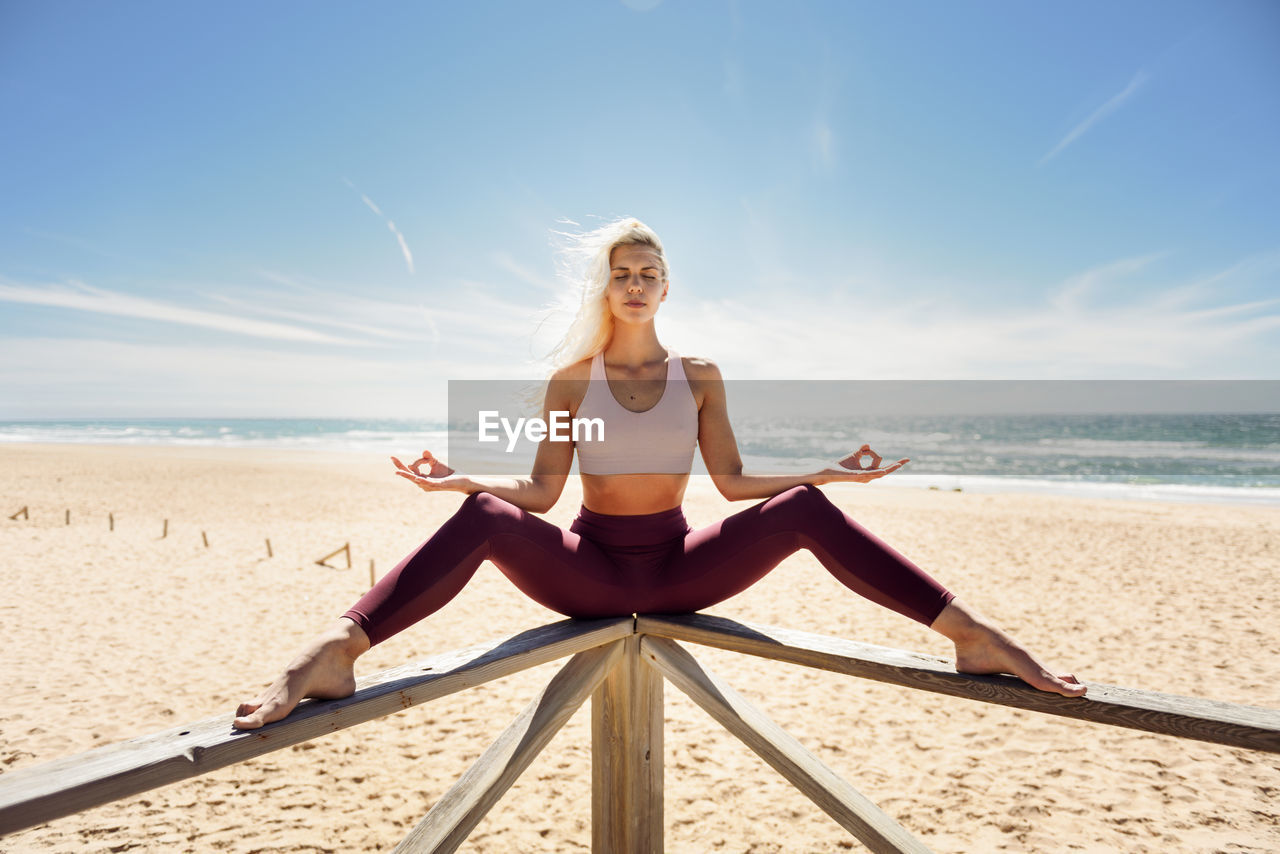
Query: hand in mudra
{"points": [[863, 465], [437, 476]]}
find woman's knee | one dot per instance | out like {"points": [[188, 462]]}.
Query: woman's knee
{"points": [[796, 508], [486, 507], [803, 498]]}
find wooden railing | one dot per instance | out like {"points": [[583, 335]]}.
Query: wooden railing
{"points": [[622, 665]]}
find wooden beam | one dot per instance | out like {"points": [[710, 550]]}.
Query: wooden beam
{"points": [[35, 795], [1250, 727], [806, 772], [461, 808], [626, 758]]}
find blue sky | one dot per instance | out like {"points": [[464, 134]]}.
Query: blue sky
{"points": [[240, 209]]}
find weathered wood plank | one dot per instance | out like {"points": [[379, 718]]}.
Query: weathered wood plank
{"points": [[806, 772], [461, 808], [35, 795], [1250, 727], [626, 758]]}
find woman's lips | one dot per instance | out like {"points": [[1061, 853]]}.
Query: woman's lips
{"points": [[634, 304]]}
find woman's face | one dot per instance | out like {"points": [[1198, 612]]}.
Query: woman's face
{"points": [[636, 283]]}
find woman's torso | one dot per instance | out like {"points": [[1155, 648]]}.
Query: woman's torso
{"points": [[654, 411]]}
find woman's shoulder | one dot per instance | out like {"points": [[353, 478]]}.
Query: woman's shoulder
{"points": [[567, 386], [579, 371], [700, 369]]}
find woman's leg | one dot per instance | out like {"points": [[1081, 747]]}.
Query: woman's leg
{"points": [[726, 558], [325, 669], [556, 568], [981, 647]]}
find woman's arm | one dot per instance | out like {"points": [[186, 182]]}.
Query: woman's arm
{"points": [[724, 464], [536, 493]]}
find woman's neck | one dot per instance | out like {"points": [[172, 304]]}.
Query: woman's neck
{"points": [[634, 346]]}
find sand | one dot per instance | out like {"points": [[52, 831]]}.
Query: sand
{"points": [[113, 634]]}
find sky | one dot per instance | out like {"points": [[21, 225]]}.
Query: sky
{"points": [[331, 209]]}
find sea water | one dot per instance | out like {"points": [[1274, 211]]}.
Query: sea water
{"points": [[1201, 457]]}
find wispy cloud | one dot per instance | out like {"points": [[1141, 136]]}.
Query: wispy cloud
{"points": [[315, 319], [1087, 328], [524, 274], [88, 377], [281, 279], [87, 246], [464, 315], [82, 297], [1112, 104], [1079, 288], [467, 316], [1107, 322], [480, 335], [391, 226]]}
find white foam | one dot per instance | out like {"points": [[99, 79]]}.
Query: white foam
{"points": [[1179, 492]]}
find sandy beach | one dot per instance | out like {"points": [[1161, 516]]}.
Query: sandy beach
{"points": [[114, 634]]}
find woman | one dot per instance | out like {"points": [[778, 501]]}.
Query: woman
{"points": [[630, 549]]}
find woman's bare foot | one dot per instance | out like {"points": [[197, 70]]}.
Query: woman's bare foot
{"points": [[983, 648], [324, 669]]}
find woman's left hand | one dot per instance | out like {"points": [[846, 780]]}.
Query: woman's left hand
{"points": [[851, 468]]}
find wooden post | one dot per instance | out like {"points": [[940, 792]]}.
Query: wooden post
{"points": [[111, 521], [205, 537], [866, 821], [269, 547], [165, 533], [372, 579], [626, 758], [36, 794], [461, 808], [68, 517], [324, 561]]}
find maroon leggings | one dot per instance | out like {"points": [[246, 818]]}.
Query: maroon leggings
{"points": [[608, 566]]}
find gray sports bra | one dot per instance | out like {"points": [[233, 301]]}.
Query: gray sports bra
{"points": [[659, 440]]}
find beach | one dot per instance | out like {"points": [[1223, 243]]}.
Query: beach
{"points": [[119, 633]]}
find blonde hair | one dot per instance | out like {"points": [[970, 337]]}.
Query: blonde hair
{"points": [[584, 262]]}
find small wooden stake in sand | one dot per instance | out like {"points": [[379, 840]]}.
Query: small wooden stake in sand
{"points": [[345, 548], [68, 517], [205, 537], [23, 513], [111, 521], [269, 547], [372, 580], [166, 529]]}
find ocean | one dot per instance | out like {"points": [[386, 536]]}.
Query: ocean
{"points": [[1194, 457]]}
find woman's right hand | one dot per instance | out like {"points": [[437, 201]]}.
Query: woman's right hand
{"points": [[851, 468], [438, 477]]}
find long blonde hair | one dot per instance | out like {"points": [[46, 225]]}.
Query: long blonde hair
{"points": [[584, 262]]}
